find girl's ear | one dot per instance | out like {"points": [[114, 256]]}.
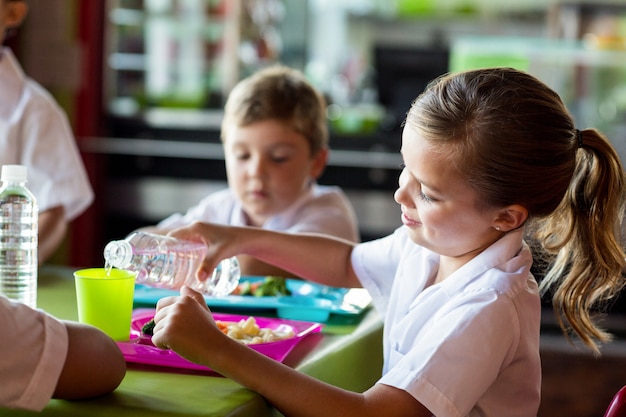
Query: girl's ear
{"points": [[510, 218], [15, 13], [319, 163]]}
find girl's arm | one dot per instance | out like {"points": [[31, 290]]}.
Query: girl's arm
{"points": [[185, 325], [318, 258], [252, 266]]}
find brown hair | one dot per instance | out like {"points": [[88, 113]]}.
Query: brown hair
{"points": [[280, 93], [512, 139]]}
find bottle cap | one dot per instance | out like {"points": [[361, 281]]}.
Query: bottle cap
{"points": [[13, 173], [118, 253]]}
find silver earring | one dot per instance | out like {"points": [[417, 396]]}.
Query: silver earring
{"points": [[498, 228]]}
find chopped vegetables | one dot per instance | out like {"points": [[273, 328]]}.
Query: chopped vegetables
{"points": [[269, 287]]}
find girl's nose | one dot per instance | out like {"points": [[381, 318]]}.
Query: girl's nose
{"points": [[400, 195]]}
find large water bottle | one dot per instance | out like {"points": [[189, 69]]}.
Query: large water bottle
{"points": [[166, 262], [19, 217]]}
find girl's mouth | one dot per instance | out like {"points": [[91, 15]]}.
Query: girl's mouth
{"points": [[407, 221]]}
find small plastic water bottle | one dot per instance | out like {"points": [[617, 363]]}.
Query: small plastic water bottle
{"points": [[19, 216], [166, 262]]}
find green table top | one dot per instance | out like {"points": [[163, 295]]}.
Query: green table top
{"points": [[345, 355]]}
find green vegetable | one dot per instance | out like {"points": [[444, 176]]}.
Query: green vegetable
{"points": [[245, 288], [272, 287], [148, 328], [269, 287]]}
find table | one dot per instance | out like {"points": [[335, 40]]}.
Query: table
{"points": [[345, 355]]}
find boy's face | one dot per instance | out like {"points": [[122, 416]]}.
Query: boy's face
{"points": [[269, 166], [12, 13]]}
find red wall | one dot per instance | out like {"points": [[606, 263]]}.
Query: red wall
{"points": [[86, 229]]}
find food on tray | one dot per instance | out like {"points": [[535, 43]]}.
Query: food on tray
{"points": [[245, 331], [148, 328], [248, 331], [269, 287]]}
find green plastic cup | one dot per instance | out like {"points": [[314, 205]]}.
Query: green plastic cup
{"points": [[105, 300]]}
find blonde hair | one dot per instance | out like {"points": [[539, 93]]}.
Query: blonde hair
{"points": [[283, 94], [512, 139]]}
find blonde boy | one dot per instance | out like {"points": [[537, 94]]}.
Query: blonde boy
{"points": [[275, 139]]}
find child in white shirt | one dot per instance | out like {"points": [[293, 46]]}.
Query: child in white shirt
{"points": [[35, 132], [489, 155], [275, 141]]}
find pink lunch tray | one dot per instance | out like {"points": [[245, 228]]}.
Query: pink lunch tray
{"points": [[140, 350]]}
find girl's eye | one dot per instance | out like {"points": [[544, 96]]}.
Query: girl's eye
{"points": [[426, 198]]}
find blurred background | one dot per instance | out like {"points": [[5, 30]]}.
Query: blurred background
{"points": [[144, 82]]}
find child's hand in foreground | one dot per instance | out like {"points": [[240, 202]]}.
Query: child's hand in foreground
{"points": [[185, 325]]}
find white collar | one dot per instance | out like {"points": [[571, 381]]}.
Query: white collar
{"points": [[509, 251], [281, 220]]}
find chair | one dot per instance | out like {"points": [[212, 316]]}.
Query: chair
{"points": [[617, 408]]}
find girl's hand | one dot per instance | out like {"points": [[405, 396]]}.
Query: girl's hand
{"points": [[217, 238], [185, 325]]}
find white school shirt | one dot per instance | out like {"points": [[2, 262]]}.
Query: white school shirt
{"points": [[35, 132], [468, 346], [323, 209], [32, 355]]}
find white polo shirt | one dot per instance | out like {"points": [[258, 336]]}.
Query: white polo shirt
{"points": [[323, 209], [35, 132], [468, 346]]}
